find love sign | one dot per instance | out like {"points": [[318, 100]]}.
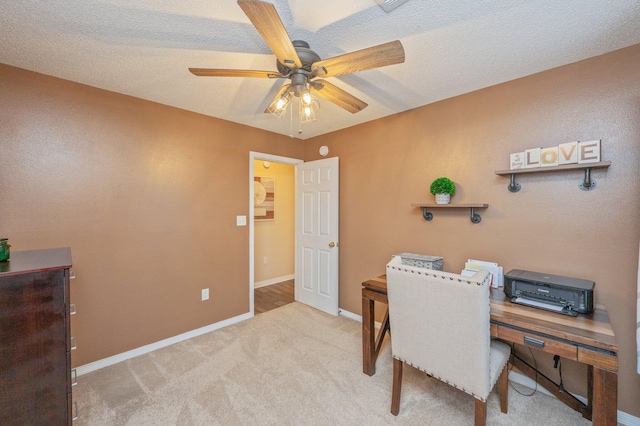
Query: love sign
{"points": [[565, 153]]}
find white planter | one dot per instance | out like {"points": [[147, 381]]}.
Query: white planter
{"points": [[443, 198]]}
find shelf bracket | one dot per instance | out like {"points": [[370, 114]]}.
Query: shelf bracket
{"points": [[427, 216], [475, 218], [513, 186], [587, 184]]}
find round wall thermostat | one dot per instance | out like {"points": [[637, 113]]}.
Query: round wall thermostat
{"points": [[324, 150]]}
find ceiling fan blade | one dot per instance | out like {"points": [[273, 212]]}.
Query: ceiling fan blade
{"points": [[208, 72], [271, 106], [338, 96], [264, 17], [372, 57]]}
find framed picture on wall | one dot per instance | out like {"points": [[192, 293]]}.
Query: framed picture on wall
{"points": [[264, 193]]}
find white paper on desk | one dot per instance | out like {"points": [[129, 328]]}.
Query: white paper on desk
{"points": [[468, 272], [493, 268]]}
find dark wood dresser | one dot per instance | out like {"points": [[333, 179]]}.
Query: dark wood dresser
{"points": [[35, 341]]}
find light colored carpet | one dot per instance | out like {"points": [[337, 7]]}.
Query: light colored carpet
{"points": [[290, 366]]}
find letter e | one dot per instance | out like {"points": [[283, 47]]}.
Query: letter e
{"points": [[589, 152]]}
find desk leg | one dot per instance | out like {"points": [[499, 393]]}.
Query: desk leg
{"points": [[588, 411], [605, 397], [368, 336]]}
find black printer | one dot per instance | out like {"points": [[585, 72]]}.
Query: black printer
{"points": [[565, 295]]}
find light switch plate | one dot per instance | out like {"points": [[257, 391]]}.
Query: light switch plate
{"points": [[241, 220]]}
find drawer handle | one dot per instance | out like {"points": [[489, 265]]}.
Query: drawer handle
{"points": [[74, 377], [73, 343], [533, 342]]}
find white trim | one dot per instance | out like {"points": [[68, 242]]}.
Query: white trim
{"points": [[274, 159], [350, 315], [97, 365], [627, 419], [272, 281], [356, 317]]}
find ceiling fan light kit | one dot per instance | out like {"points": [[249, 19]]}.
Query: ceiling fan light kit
{"points": [[298, 63], [279, 104], [308, 110]]}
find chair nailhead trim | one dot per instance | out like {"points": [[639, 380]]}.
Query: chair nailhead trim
{"points": [[440, 379], [486, 281]]}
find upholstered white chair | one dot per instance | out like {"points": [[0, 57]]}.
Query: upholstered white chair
{"points": [[440, 325]]}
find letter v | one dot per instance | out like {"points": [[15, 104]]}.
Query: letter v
{"points": [[567, 156]]}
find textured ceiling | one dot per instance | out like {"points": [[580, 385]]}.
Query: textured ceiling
{"points": [[143, 48]]}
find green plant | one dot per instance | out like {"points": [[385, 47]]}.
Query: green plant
{"points": [[443, 185]]}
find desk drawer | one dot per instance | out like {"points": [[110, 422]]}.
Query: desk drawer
{"points": [[598, 359], [565, 350]]}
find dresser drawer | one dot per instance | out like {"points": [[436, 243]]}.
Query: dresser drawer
{"points": [[545, 344]]}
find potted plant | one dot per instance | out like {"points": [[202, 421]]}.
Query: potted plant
{"points": [[443, 188]]}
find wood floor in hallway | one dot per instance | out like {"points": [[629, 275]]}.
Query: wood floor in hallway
{"points": [[273, 296]]}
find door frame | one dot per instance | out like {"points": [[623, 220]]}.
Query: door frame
{"points": [[260, 156]]}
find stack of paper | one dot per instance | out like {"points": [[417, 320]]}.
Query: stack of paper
{"points": [[472, 266]]}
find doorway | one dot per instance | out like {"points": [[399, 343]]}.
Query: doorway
{"points": [[266, 267], [316, 222]]}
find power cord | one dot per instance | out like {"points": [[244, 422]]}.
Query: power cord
{"points": [[535, 366], [558, 361]]}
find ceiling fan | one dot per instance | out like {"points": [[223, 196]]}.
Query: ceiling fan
{"points": [[298, 63]]}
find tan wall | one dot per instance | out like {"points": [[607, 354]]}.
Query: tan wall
{"points": [[275, 239], [549, 226], [144, 194]]}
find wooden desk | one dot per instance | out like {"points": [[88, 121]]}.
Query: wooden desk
{"points": [[588, 339]]}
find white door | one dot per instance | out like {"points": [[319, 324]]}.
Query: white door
{"points": [[317, 195]]}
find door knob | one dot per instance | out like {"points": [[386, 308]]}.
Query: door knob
{"points": [[332, 244]]}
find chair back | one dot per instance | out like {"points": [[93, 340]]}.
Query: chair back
{"points": [[440, 324]]}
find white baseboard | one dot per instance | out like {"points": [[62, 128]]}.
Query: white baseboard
{"points": [[96, 365], [273, 281], [349, 315], [627, 419], [356, 317], [623, 418]]}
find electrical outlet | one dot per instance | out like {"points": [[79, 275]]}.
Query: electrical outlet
{"points": [[241, 221], [205, 294], [265, 260]]}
